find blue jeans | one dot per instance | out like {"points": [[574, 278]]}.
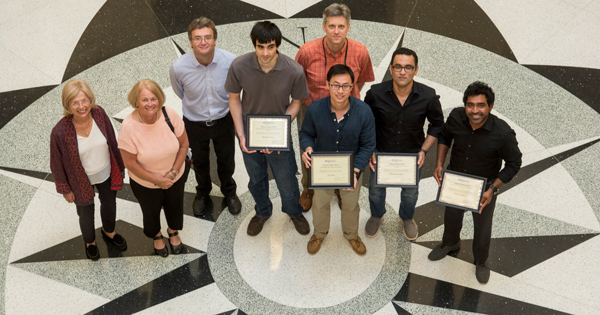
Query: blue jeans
{"points": [[408, 200], [284, 170]]}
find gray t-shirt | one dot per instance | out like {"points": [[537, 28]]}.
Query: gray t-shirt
{"points": [[266, 93]]}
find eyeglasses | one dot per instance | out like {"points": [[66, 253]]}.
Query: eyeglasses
{"points": [[336, 87], [199, 39], [83, 102], [153, 100], [399, 68]]}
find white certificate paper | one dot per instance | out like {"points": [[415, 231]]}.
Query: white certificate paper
{"points": [[268, 132], [400, 170], [461, 191], [330, 170]]}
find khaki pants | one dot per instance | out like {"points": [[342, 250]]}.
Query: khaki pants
{"points": [[300, 120], [321, 211]]}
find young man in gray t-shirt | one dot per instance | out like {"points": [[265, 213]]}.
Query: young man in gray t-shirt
{"points": [[268, 79]]}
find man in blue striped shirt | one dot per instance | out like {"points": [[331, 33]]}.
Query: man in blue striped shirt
{"points": [[198, 78]]}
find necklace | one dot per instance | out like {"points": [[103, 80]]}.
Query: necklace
{"points": [[84, 127], [325, 54], [143, 122]]}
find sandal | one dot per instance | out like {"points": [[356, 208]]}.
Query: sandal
{"points": [[164, 252], [175, 249]]}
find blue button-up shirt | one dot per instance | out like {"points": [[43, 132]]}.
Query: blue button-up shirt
{"points": [[201, 88], [355, 132]]}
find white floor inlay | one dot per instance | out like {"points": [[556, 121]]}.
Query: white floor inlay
{"points": [[277, 265]]}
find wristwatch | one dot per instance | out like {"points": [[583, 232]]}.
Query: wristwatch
{"points": [[357, 174], [424, 151], [494, 189]]}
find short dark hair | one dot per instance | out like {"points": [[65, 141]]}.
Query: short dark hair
{"points": [[407, 52], [340, 69], [479, 88], [264, 32], [200, 23]]}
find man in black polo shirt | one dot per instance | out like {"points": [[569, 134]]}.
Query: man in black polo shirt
{"points": [[338, 122], [400, 107], [481, 142]]}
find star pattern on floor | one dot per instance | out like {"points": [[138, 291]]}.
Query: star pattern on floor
{"points": [[193, 273]]}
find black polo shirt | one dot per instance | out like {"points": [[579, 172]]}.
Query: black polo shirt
{"points": [[480, 152], [400, 128]]}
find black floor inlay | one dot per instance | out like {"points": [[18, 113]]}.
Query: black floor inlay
{"points": [[462, 20], [427, 291], [133, 21], [400, 310], [180, 281], [34, 174], [181, 51], [137, 245], [538, 167], [14, 102], [227, 313], [175, 16], [511, 256], [581, 82], [429, 217]]}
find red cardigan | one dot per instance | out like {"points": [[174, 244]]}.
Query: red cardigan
{"points": [[65, 164]]}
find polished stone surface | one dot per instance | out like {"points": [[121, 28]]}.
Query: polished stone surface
{"points": [[540, 58]]}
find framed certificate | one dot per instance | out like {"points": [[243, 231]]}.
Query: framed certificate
{"points": [[461, 190], [396, 170], [331, 170], [268, 132]]}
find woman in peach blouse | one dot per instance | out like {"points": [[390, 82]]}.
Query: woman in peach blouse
{"points": [[155, 158]]}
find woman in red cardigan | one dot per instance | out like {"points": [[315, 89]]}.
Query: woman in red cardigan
{"points": [[84, 154]]}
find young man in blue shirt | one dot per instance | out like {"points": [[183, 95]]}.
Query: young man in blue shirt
{"points": [[338, 122]]}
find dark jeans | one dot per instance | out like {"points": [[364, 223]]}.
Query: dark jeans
{"points": [[299, 121], [152, 200], [222, 134], [284, 170], [108, 212], [408, 199], [482, 235]]}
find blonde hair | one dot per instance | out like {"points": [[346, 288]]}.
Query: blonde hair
{"points": [[152, 86], [70, 91]]}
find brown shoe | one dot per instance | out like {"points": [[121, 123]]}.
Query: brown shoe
{"points": [[337, 193], [314, 244], [372, 226], [358, 246], [411, 230], [301, 224], [306, 201], [256, 225]]}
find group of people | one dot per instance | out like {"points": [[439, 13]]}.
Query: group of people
{"points": [[321, 89]]}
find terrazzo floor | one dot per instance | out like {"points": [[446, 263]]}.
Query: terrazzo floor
{"points": [[541, 58]]}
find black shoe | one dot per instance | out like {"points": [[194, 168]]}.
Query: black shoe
{"points": [[233, 203], [117, 240], [301, 224], [440, 252], [200, 205], [175, 249], [482, 273], [256, 225], [91, 251], [164, 252]]}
